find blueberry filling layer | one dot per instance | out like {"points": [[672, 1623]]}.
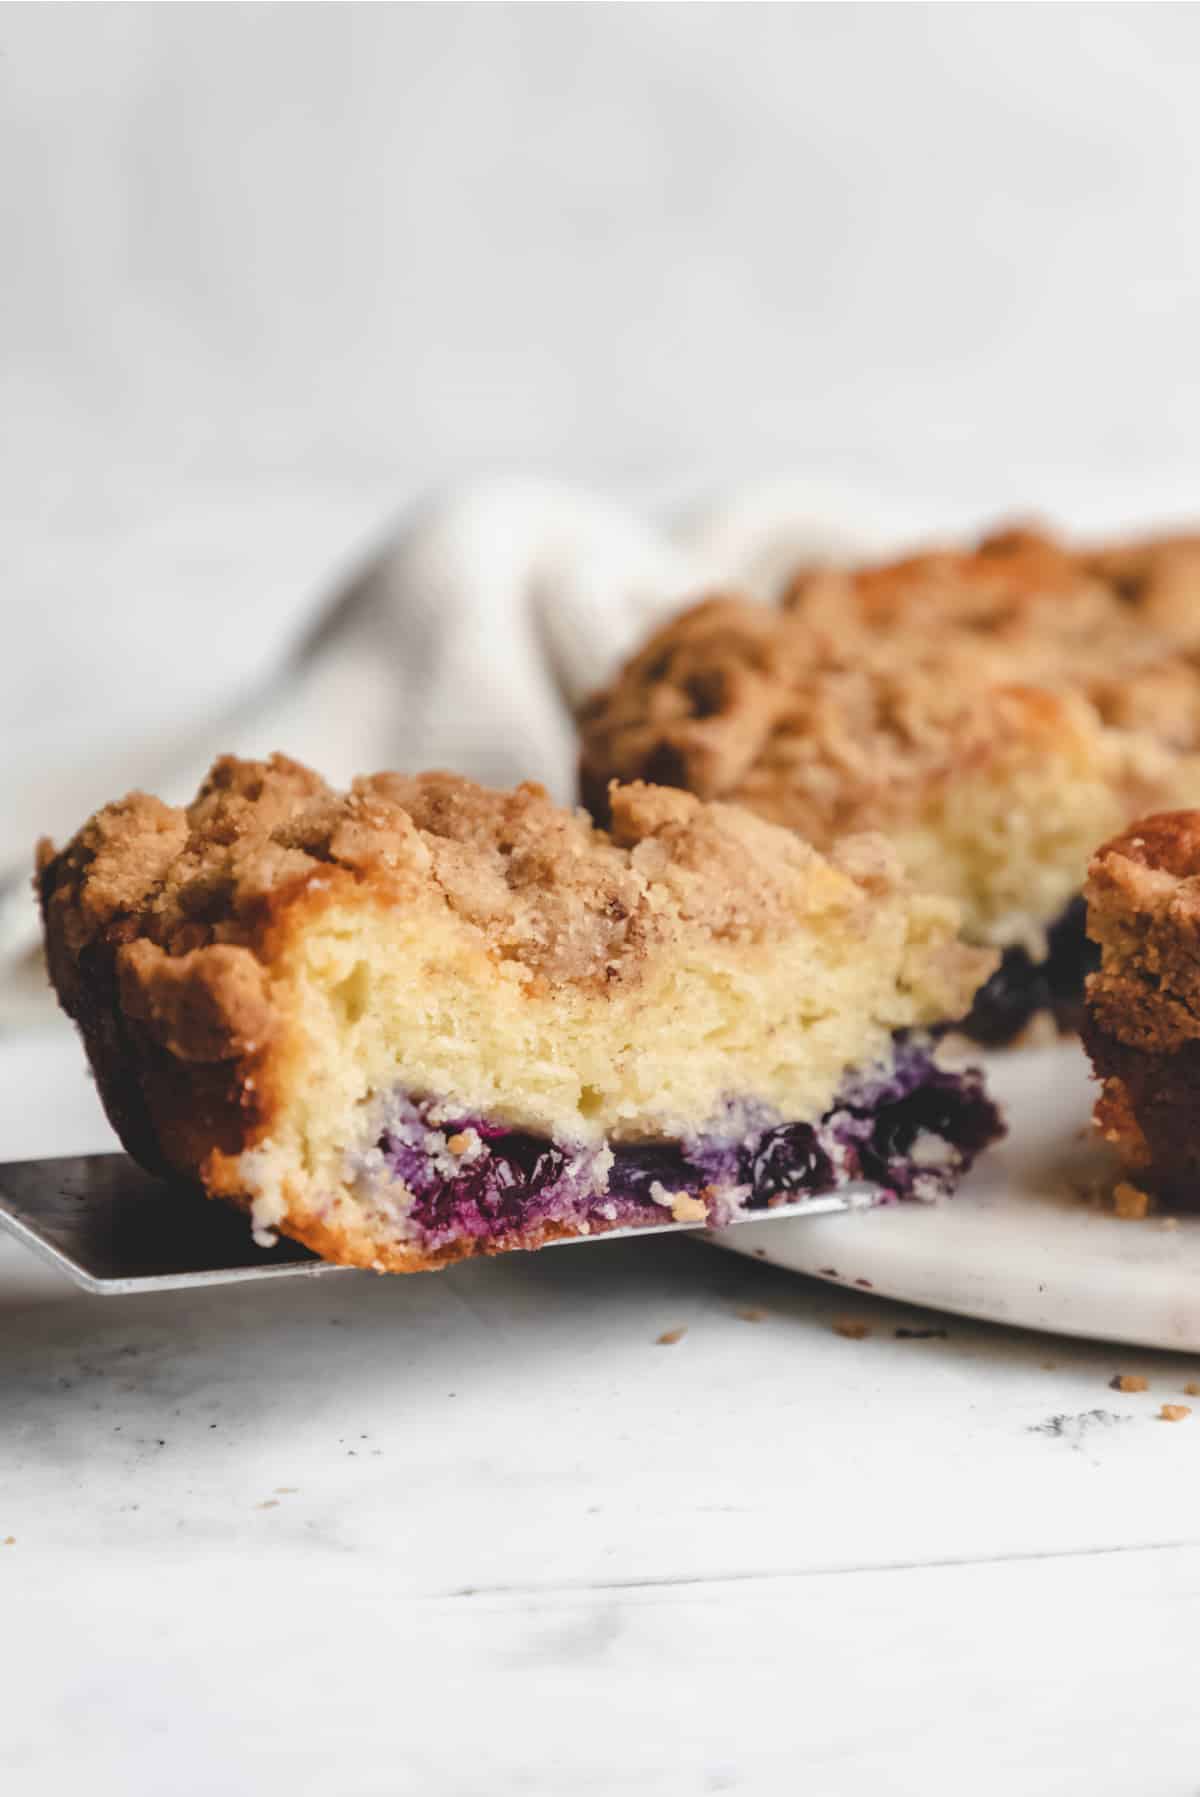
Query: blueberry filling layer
{"points": [[911, 1129], [1021, 986]]}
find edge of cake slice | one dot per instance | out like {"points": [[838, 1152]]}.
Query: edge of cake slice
{"points": [[422, 1019], [1142, 1027]]}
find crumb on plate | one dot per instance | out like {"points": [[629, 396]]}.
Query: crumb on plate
{"points": [[1129, 1382], [1130, 1202], [851, 1328], [669, 1337]]}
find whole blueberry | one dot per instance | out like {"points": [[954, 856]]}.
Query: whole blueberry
{"points": [[790, 1161]]}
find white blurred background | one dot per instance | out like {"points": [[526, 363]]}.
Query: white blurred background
{"points": [[272, 273]]}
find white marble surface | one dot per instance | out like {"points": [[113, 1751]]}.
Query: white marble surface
{"points": [[480, 1532], [1034, 1239]]}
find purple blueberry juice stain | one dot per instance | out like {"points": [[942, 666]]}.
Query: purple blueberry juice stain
{"points": [[911, 1129]]}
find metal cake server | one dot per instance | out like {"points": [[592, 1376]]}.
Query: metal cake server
{"points": [[115, 1229]]}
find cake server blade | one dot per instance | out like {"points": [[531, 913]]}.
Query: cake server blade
{"points": [[113, 1228]]}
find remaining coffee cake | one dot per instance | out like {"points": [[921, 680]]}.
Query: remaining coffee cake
{"points": [[996, 714], [422, 1020], [1142, 1027]]}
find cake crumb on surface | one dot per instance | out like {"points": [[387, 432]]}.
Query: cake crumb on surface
{"points": [[10, 1541], [1129, 1382], [851, 1328], [669, 1337], [1169, 1223], [1192, 1388], [1130, 1202], [1174, 1413], [753, 1313]]}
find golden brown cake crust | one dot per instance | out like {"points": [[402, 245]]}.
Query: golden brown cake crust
{"points": [[1143, 893], [1143, 1005]]}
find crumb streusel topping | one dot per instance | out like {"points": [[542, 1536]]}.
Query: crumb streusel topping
{"points": [[870, 699], [545, 888]]}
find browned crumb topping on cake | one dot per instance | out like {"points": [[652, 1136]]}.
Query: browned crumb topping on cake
{"points": [[995, 713], [1024, 593], [1158, 577], [1142, 1028], [840, 710], [1143, 893], [187, 899], [1130, 1202]]}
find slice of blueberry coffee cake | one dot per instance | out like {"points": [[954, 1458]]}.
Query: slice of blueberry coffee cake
{"points": [[422, 1020], [1142, 1027], [995, 714]]}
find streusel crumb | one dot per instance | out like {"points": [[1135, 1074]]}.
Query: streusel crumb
{"points": [[1130, 1202], [851, 1328]]}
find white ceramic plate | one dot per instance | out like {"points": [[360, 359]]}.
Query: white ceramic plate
{"points": [[1020, 1243]]}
